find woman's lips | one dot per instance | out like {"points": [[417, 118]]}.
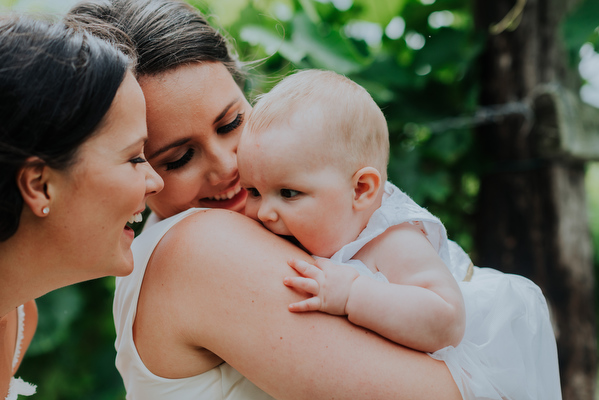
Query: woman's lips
{"points": [[237, 199], [129, 232], [228, 194]]}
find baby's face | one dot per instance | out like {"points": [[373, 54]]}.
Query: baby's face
{"points": [[294, 190]]}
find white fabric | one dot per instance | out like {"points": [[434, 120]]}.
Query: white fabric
{"points": [[508, 350], [17, 386], [220, 383]]}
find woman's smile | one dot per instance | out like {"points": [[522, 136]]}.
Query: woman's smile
{"points": [[195, 116], [231, 199]]}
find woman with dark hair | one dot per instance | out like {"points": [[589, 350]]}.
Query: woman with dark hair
{"points": [[204, 314], [72, 171]]}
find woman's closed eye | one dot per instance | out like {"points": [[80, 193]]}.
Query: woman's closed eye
{"points": [[236, 123], [138, 160], [289, 193], [181, 161]]}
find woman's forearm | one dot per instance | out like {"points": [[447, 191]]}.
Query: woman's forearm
{"points": [[232, 283]]}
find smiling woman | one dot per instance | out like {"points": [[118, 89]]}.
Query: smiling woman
{"points": [[194, 131], [72, 134]]}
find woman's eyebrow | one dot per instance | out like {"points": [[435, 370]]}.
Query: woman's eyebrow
{"points": [[225, 110], [169, 146]]}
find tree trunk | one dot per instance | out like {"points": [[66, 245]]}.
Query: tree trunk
{"points": [[532, 215]]}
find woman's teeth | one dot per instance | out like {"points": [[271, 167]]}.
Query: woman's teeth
{"points": [[228, 195], [135, 218]]}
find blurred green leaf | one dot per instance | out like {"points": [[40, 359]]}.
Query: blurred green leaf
{"points": [[581, 26], [228, 11], [57, 311], [325, 47], [380, 11], [271, 42]]}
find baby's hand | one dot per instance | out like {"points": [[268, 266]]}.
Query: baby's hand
{"points": [[328, 282]]}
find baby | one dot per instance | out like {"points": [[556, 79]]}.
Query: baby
{"points": [[313, 158]]}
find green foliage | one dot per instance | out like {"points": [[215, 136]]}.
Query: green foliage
{"points": [[581, 27]]}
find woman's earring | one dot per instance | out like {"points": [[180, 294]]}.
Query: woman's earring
{"points": [[46, 210]]}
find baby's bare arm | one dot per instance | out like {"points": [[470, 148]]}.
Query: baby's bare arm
{"points": [[422, 307]]}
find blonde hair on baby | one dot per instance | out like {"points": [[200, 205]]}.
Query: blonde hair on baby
{"points": [[356, 126]]}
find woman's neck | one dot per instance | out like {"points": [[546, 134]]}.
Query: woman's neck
{"points": [[27, 271]]}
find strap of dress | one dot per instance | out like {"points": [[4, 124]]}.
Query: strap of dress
{"points": [[397, 208], [20, 335], [17, 386]]}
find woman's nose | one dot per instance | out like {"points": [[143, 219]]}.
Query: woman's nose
{"points": [[154, 182], [224, 165]]}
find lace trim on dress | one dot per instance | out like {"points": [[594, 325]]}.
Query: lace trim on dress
{"points": [[20, 335], [18, 386]]}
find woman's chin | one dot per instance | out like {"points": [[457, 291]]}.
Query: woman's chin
{"points": [[125, 267]]}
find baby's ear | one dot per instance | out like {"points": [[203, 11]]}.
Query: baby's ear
{"points": [[366, 183], [32, 185]]}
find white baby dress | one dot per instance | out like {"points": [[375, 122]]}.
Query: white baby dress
{"points": [[508, 350]]}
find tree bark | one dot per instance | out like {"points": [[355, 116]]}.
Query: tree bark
{"points": [[532, 215]]}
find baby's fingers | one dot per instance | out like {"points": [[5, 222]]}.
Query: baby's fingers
{"points": [[304, 268], [305, 284], [311, 304]]}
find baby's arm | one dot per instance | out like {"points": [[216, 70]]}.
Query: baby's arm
{"points": [[421, 307]]}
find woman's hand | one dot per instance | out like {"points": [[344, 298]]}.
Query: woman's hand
{"points": [[329, 283]]}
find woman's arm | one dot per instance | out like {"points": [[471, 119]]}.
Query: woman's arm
{"points": [[230, 299]]}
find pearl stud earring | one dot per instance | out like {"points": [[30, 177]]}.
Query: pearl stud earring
{"points": [[46, 210]]}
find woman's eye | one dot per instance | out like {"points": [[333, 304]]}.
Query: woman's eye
{"points": [[182, 161], [253, 192], [231, 126], [137, 160], [289, 193]]}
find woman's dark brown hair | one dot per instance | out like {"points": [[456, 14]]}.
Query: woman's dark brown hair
{"points": [[165, 33], [57, 83]]}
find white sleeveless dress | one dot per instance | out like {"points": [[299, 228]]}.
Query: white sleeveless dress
{"points": [[508, 350], [220, 383], [18, 386]]}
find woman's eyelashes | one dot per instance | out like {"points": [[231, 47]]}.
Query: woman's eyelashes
{"points": [[236, 123], [138, 160], [181, 161]]}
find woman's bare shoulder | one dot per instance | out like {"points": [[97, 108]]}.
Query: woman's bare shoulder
{"points": [[214, 231], [217, 279]]}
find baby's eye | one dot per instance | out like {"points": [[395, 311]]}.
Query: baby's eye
{"points": [[253, 192], [289, 193]]}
